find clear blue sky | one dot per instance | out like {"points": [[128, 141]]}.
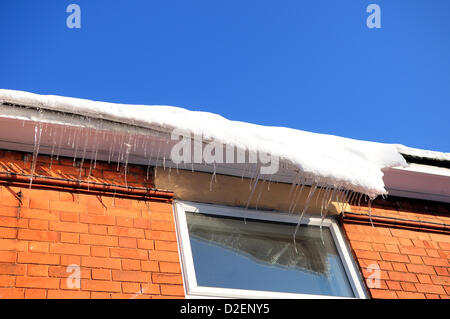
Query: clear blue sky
{"points": [[307, 64]]}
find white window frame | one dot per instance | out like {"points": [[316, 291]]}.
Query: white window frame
{"points": [[192, 290]]}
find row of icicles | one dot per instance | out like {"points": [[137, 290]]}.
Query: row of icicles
{"points": [[79, 137]]}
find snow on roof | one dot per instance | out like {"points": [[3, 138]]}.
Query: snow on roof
{"points": [[415, 152], [335, 161]]}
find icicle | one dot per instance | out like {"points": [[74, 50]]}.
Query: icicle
{"points": [[370, 211], [127, 155], [83, 156], [37, 144], [312, 190], [59, 145], [259, 195], [252, 190], [212, 177]]}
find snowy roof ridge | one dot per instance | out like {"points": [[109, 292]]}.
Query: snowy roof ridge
{"points": [[336, 161], [416, 152]]}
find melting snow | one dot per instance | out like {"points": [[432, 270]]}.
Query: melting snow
{"points": [[327, 160]]}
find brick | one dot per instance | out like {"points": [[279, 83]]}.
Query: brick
{"points": [[38, 235], [12, 293], [9, 211], [8, 222], [38, 224], [433, 253], [147, 265], [124, 212], [68, 227], [413, 251], [100, 262], [399, 267], [124, 221], [400, 276], [127, 242], [424, 279], [442, 271], [145, 244], [37, 258], [142, 223], [134, 276], [43, 204], [8, 256], [98, 229], [99, 251], [129, 253], [162, 216], [393, 285], [175, 290], [131, 287], [13, 244], [100, 295], [420, 269], [70, 259], [166, 279], [38, 246], [31, 293], [8, 232], [7, 281], [98, 240], [416, 260], [69, 249], [164, 256], [100, 285], [165, 245], [66, 271], [125, 232], [410, 295], [37, 282], [69, 217], [408, 286], [101, 274], [100, 220], [170, 267], [12, 269], [432, 289], [37, 270], [153, 289], [163, 226], [68, 294], [394, 257], [161, 235], [70, 238], [38, 214], [435, 261], [441, 280], [67, 207], [131, 264]]}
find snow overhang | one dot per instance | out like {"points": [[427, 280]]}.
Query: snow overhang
{"points": [[112, 132]]}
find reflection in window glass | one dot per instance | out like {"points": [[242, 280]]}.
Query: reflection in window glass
{"points": [[260, 255]]}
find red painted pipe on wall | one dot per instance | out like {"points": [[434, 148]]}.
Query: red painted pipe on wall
{"points": [[396, 222], [23, 180]]}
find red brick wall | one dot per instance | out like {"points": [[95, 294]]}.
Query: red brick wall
{"points": [[414, 260], [125, 246]]}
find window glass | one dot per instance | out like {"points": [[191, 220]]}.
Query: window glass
{"points": [[260, 255]]}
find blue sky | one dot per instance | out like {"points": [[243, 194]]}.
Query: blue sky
{"points": [[307, 64]]}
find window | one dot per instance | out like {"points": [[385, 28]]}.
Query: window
{"points": [[237, 253]]}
